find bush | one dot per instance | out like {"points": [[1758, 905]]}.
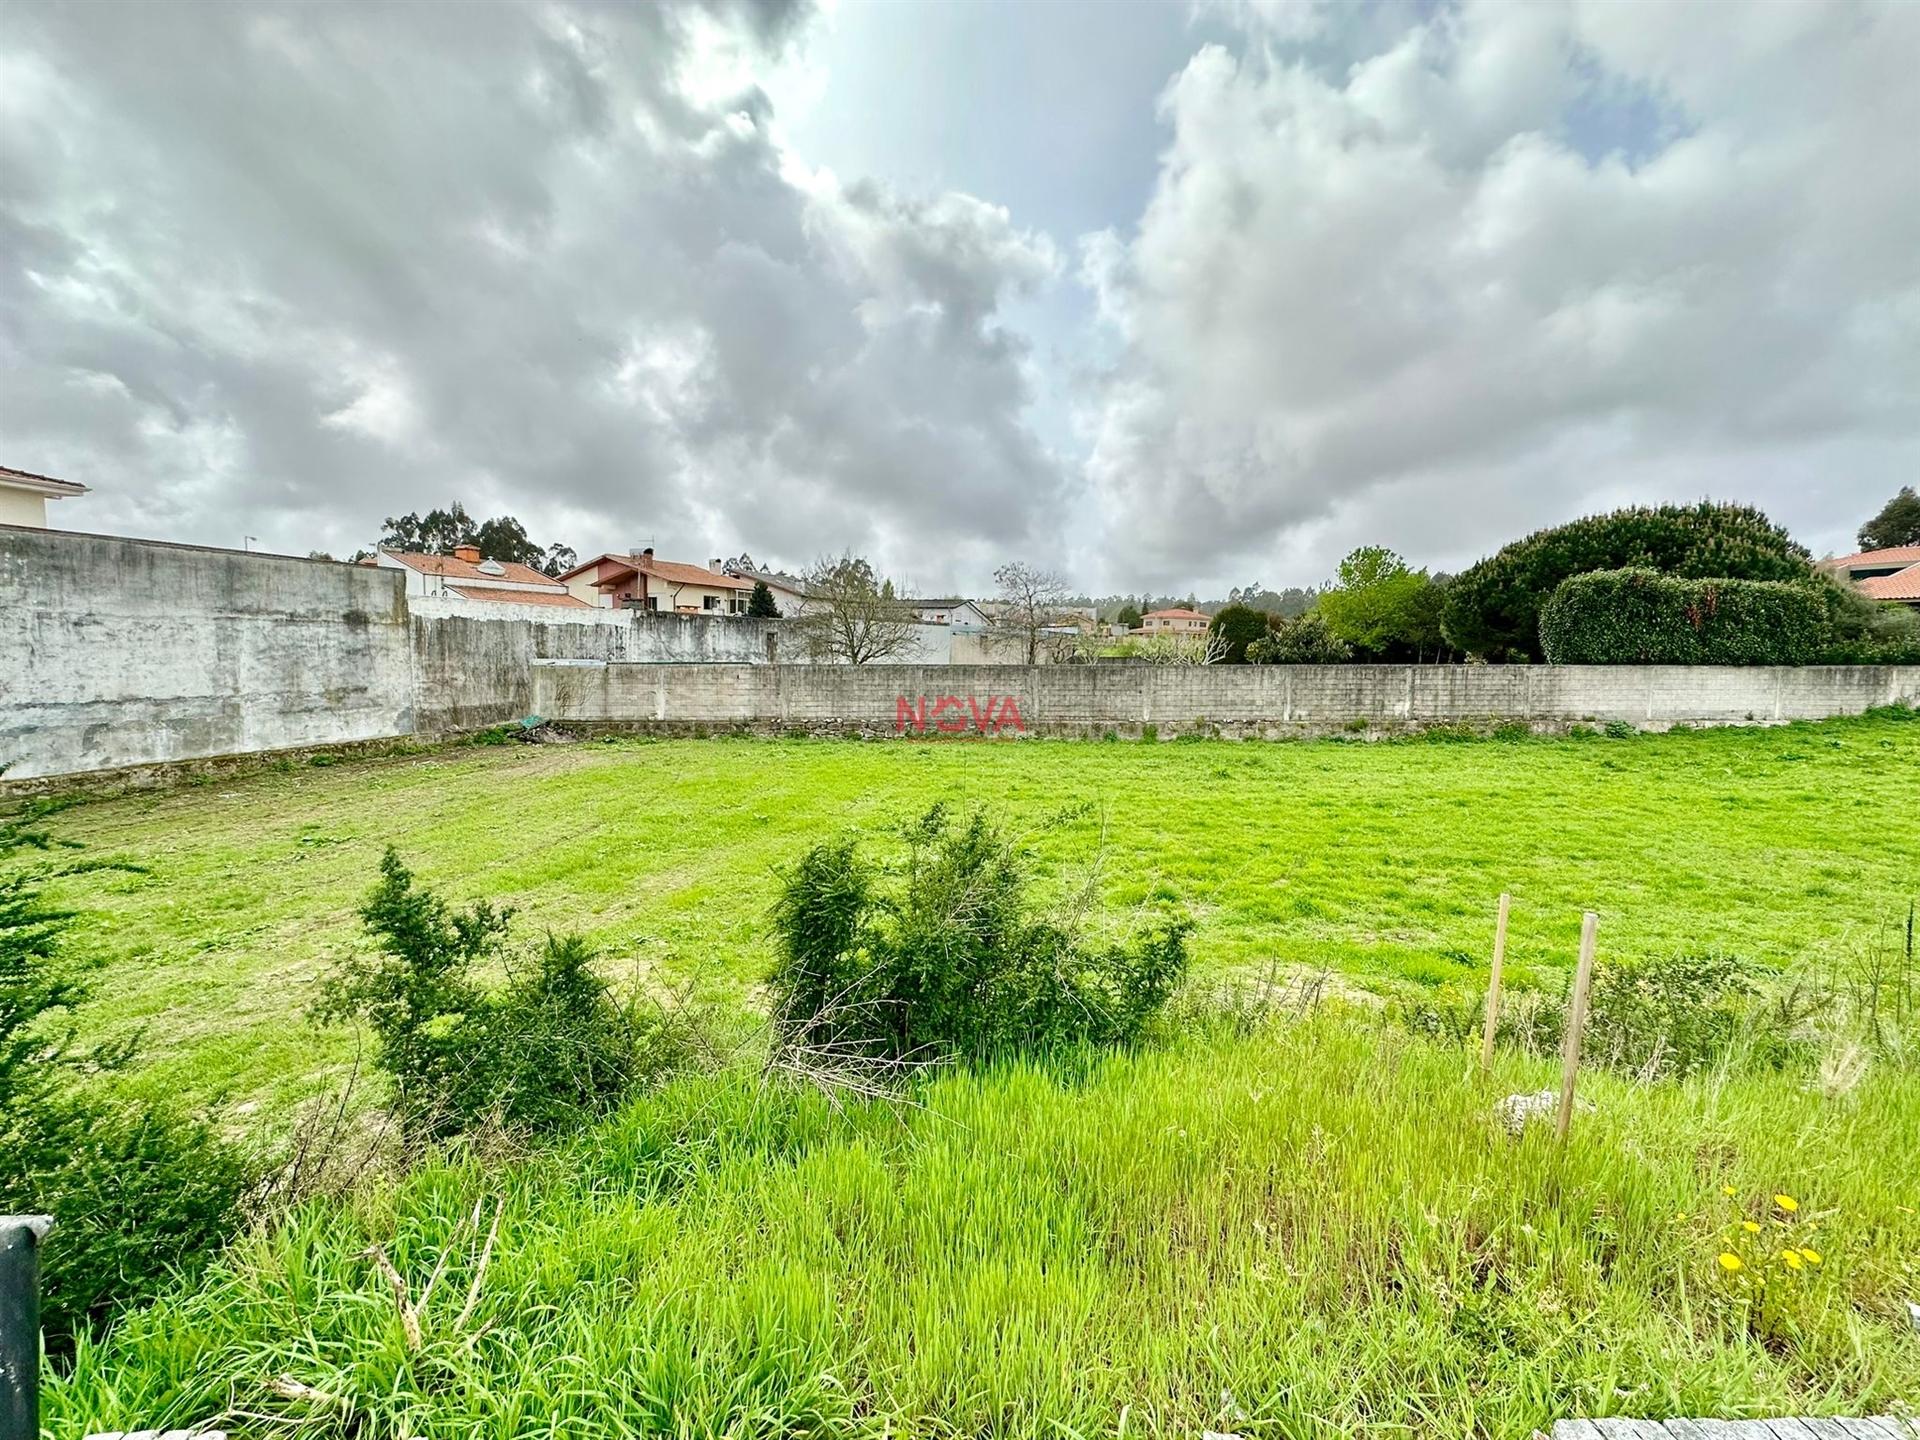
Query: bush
{"points": [[951, 962], [138, 1192], [1867, 631], [1493, 608], [1237, 626], [1302, 641], [1628, 617], [550, 1047]]}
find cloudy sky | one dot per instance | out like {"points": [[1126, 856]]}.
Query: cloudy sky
{"points": [[1168, 297]]}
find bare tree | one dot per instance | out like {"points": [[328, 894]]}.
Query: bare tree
{"points": [[1032, 602], [852, 615], [1209, 648]]}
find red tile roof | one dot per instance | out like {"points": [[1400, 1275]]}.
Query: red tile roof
{"points": [[518, 597], [671, 571], [1175, 614], [456, 569], [1898, 555], [45, 484], [1901, 585]]}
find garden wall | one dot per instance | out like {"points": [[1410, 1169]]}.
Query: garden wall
{"points": [[137, 657], [1005, 700]]}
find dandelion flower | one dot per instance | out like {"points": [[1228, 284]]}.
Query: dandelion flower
{"points": [[1792, 1257], [1752, 1227], [1730, 1262], [1812, 1256], [1786, 1203], [1728, 1190]]}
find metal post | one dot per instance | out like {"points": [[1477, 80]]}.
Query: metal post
{"points": [[20, 1237]]}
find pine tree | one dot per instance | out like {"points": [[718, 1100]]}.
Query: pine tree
{"points": [[760, 605]]}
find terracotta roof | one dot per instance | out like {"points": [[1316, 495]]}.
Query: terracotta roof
{"points": [[45, 484], [1174, 615], [1901, 585], [519, 597], [1898, 555], [457, 569], [675, 573]]}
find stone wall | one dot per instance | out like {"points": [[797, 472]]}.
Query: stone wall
{"points": [[1010, 700]]}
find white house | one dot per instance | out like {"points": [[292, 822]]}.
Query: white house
{"points": [[788, 591], [963, 617], [24, 496]]}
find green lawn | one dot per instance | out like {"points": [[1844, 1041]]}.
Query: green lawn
{"points": [[1380, 861]]}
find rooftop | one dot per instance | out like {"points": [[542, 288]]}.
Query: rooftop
{"points": [[39, 484], [454, 568]]}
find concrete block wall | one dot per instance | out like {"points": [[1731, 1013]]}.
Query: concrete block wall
{"points": [[118, 653], [1242, 700]]}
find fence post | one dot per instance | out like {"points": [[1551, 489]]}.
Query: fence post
{"points": [[1493, 985], [20, 1237], [1576, 1024]]}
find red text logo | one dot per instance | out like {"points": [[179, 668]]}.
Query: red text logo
{"points": [[952, 715]]}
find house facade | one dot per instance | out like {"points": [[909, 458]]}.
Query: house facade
{"points": [[666, 587], [1889, 575], [24, 496], [788, 591], [963, 617], [1174, 622], [463, 575]]}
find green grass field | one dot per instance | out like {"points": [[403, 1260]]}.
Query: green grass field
{"points": [[1378, 861], [1309, 1230]]}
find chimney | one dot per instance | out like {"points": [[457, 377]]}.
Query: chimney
{"points": [[468, 553], [646, 556], [717, 566]]}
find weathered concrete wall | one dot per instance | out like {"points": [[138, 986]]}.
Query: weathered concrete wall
{"points": [[1244, 700], [126, 652]]}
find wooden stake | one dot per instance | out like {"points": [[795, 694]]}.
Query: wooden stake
{"points": [[1493, 984], [1576, 1024]]}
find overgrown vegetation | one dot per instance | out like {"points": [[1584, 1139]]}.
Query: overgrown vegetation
{"points": [[947, 957], [1311, 1228], [140, 1190], [1641, 617], [550, 1047]]}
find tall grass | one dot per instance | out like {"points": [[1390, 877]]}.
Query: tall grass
{"points": [[1313, 1229]]}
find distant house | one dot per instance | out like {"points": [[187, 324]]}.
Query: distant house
{"points": [[1883, 574], [963, 616], [463, 575], [643, 582], [24, 496], [1174, 622], [789, 591]]}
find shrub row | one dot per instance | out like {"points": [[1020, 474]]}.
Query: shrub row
{"points": [[1493, 608], [1640, 617]]}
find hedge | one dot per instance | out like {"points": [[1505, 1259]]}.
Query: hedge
{"points": [[1641, 617], [1493, 608]]}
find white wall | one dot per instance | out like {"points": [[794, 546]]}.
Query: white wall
{"points": [[22, 507]]}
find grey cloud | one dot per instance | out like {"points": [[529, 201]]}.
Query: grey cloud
{"points": [[288, 269], [1393, 300]]}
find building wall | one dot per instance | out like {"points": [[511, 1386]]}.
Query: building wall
{"points": [[22, 507], [1238, 700]]}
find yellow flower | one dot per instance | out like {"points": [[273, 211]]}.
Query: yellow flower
{"points": [[1728, 1190], [1680, 1216], [1812, 1256], [1786, 1203], [1752, 1227], [1730, 1262], [1792, 1257]]}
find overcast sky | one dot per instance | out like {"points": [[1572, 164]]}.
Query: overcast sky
{"points": [[1168, 298]]}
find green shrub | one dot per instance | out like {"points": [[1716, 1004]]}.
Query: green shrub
{"points": [[1493, 608], [1627, 617], [138, 1192], [551, 1046], [951, 961], [1305, 640], [1238, 626]]}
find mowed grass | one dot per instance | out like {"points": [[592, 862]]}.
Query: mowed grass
{"points": [[1378, 861], [1309, 1230]]}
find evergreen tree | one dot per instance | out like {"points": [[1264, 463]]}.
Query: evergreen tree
{"points": [[760, 605], [1898, 523]]}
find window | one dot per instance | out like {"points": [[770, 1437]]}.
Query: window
{"points": [[653, 602], [710, 602]]}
